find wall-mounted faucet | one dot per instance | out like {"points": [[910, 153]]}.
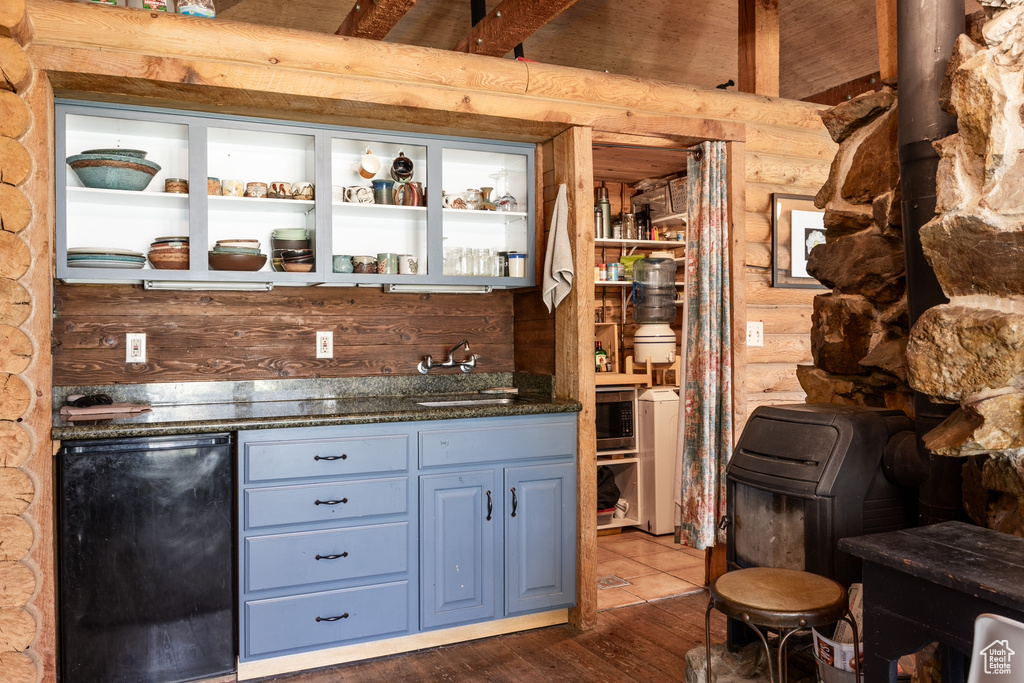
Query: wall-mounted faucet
{"points": [[467, 365]]}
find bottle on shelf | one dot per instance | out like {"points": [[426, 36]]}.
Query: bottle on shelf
{"points": [[605, 205], [600, 358]]}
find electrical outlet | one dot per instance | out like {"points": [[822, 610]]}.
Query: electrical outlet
{"points": [[325, 345], [135, 348], [755, 333]]}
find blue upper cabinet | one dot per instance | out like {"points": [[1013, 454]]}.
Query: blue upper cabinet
{"points": [[396, 210], [540, 557]]}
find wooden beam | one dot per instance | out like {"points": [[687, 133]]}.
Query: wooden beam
{"points": [[847, 91], [885, 27], [574, 369], [374, 19], [759, 47], [509, 24]]}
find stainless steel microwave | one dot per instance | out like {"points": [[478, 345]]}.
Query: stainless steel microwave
{"points": [[615, 417]]}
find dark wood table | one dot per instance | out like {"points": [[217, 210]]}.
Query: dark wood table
{"points": [[928, 584]]}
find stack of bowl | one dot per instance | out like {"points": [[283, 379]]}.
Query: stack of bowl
{"points": [[114, 169], [169, 253], [237, 254], [297, 260], [286, 239]]}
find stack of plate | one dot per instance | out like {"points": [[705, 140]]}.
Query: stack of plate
{"points": [[287, 238], [237, 254], [102, 257], [169, 253]]}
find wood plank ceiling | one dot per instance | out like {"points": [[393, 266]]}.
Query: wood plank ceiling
{"points": [[822, 44]]}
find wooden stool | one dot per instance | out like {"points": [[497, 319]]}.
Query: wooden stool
{"points": [[782, 599]]}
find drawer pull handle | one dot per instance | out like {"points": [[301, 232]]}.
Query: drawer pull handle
{"points": [[515, 501], [490, 506], [343, 456], [342, 616], [330, 502], [331, 557]]}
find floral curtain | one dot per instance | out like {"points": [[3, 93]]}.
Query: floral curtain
{"points": [[705, 410]]}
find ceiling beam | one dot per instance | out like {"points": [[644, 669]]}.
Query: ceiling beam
{"points": [[509, 24], [759, 47], [374, 19]]}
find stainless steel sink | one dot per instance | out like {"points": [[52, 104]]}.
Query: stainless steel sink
{"points": [[466, 402]]}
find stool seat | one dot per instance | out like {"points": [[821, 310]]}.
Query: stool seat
{"points": [[779, 598]]}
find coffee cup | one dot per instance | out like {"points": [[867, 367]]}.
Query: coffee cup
{"points": [[401, 168], [369, 165], [280, 190], [213, 186], [408, 264], [302, 190], [387, 263], [342, 263], [383, 191], [256, 190], [359, 194], [338, 194], [232, 188]]}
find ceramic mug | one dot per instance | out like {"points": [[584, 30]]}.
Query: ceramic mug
{"points": [[342, 263], [338, 194], [369, 165], [213, 186], [409, 194], [232, 188], [387, 263], [280, 190], [383, 191], [359, 194], [408, 264], [302, 190], [401, 168], [256, 190]]}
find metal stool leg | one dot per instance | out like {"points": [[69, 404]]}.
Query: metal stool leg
{"points": [[707, 638], [848, 618], [764, 641]]}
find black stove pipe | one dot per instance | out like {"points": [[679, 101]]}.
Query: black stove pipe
{"points": [[926, 33]]}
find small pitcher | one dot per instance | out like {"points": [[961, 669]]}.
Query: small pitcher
{"points": [[409, 194]]}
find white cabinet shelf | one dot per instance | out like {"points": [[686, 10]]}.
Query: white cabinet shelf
{"points": [[198, 146]]}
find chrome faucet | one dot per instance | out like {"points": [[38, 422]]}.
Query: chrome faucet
{"points": [[467, 365]]}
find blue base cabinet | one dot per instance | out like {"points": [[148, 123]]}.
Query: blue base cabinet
{"points": [[358, 533]]}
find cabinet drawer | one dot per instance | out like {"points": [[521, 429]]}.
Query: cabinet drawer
{"points": [[313, 557], [522, 440], [280, 460], [329, 617], [324, 502]]}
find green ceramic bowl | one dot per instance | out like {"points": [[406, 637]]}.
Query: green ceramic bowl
{"points": [[117, 151], [113, 171]]}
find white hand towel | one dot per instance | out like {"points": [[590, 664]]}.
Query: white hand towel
{"points": [[558, 258]]}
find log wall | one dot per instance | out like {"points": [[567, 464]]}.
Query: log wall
{"points": [[143, 57]]}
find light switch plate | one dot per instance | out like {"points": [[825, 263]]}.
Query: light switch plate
{"points": [[755, 333], [135, 348], [325, 345]]}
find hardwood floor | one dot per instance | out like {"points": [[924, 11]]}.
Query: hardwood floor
{"points": [[645, 642]]}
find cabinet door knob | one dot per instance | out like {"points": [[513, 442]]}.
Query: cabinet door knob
{"points": [[331, 557], [490, 506], [515, 501], [343, 456], [340, 616], [330, 502]]}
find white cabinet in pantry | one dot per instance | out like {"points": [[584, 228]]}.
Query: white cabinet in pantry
{"points": [[448, 246]]}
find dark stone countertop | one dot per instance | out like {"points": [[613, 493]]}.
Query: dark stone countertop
{"points": [[193, 408]]}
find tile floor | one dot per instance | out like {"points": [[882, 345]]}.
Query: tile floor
{"points": [[651, 567]]}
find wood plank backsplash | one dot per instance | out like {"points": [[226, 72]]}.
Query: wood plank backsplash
{"points": [[204, 336]]}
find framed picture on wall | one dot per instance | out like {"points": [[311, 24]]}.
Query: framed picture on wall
{"points": [[797, 227]]}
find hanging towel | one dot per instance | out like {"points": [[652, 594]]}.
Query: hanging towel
{"points": [[558, 258]]}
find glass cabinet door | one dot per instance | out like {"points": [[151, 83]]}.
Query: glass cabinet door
{"points": [[110, 213], [485, 226], [378, 210], [261, 195]]}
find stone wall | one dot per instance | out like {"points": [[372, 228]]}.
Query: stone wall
{"points": [[971, 350], [859, 329]]}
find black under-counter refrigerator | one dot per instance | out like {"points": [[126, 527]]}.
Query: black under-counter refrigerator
{"points": [[146, 559]]}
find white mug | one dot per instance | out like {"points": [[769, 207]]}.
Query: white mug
{"points": [[359, 194], [369, 165], [408, 264]]}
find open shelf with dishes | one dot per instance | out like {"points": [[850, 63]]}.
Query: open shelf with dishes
{"points": [[231, 199]]}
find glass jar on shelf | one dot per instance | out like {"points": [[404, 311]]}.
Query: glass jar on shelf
{"points": [[505, 200]]}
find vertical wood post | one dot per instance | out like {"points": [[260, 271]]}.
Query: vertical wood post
{"points": [[885, 27], [574, 363], [759, 47]]}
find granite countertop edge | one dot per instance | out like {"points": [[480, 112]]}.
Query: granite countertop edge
{"points": [[127, 429]]}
